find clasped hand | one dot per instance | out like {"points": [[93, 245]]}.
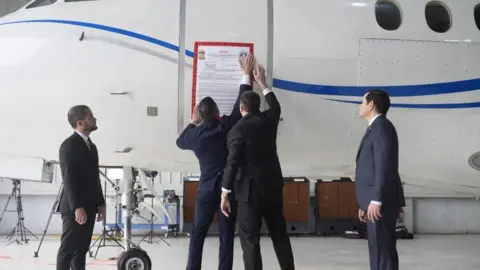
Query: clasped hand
{"points": [[373, 213], [225, 204], [81, 215]]}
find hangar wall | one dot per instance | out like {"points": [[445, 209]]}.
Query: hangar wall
{"points": [[422, 215]]}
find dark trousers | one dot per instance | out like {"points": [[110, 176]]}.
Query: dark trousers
{"points": [[382, 242], [250, 221], [206, 204], [75, 242]]}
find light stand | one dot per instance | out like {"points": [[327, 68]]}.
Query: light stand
{"points": [[116, 227], [54, 210], [110, 234], [20, 226], [151, 233]]}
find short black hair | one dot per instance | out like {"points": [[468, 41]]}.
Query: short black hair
{"points": [[77, 113], [380, 99], [250, 101], [208, 109]]}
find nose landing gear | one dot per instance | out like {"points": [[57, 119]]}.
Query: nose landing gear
{"points": [[134, 259]]}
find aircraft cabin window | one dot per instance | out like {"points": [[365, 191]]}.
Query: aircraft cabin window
{"points": [[41, 3], [388, 15], [438, 17], [476, 15]]}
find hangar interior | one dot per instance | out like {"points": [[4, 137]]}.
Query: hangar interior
{"points": [[444, 233], [445, 224]]}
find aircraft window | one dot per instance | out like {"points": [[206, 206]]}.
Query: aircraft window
{"points": [[40, 3], [388, 15], [476, 15], [438, 17]]}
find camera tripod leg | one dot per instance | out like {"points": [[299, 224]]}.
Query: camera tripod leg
{"points": [[107, 235], [99, 244], [6, 206], [92, 245], [54, 207]]}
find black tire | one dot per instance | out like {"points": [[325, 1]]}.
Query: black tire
{"points": [[136, 257]]}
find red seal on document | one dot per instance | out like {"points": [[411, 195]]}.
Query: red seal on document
{"points": [[242, 55], [201, 54]]}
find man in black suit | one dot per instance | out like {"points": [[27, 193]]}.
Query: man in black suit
{"points": [[206, 136], [378, 186], [81, 197], [253, 172]]}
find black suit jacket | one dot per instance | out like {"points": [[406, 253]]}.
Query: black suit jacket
{"points": [[80, 173], [376, 176], [209, 143], [252, 155]]}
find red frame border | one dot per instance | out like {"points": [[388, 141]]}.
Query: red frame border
{"points": [[195, 56]]}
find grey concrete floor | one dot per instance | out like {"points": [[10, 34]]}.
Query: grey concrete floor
{"points": [[311, 253]]}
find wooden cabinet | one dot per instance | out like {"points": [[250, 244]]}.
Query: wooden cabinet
{"points": [[189, 194], [327, 196], [336, 199], [347, 200], [190, 189], [296, 199]]}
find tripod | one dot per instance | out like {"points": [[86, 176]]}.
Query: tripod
{"points": [[20, 227], [112, 233], [151, 232], [117, 230], [54, 210]]}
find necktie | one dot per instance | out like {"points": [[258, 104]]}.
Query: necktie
{"points": [[89, 143]]}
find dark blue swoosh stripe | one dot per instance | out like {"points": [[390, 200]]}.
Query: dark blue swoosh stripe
{"points": [[393, 91], [109, 29], [355, 91]]}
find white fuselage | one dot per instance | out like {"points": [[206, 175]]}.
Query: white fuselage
{"points": [[320, 54]]}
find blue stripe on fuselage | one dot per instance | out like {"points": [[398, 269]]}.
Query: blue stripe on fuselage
{"points": [[350, 91]]}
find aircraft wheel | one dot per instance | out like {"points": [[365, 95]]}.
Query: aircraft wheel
{"points": [[134, 259]]}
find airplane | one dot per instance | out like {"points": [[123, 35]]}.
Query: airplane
{"points": [[121, 56]]}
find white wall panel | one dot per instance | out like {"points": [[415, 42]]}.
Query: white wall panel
{"points": [[440, 215]]}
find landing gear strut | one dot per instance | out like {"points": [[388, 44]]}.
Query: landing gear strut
{"points": [[133, 258]]}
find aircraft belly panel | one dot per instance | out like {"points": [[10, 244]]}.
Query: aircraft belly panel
{"points": [[434, 144]]}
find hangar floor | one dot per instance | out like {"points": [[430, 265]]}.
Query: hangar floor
{"points": [[425, 252]]}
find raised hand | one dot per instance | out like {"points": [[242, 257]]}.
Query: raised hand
{"points": [[247, 63], [195, 119], [259, 74]]}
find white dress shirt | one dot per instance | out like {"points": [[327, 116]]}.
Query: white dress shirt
{"points": [[246, 79], [373, 119], [264, 91], [369, 124], [85, 138]]}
